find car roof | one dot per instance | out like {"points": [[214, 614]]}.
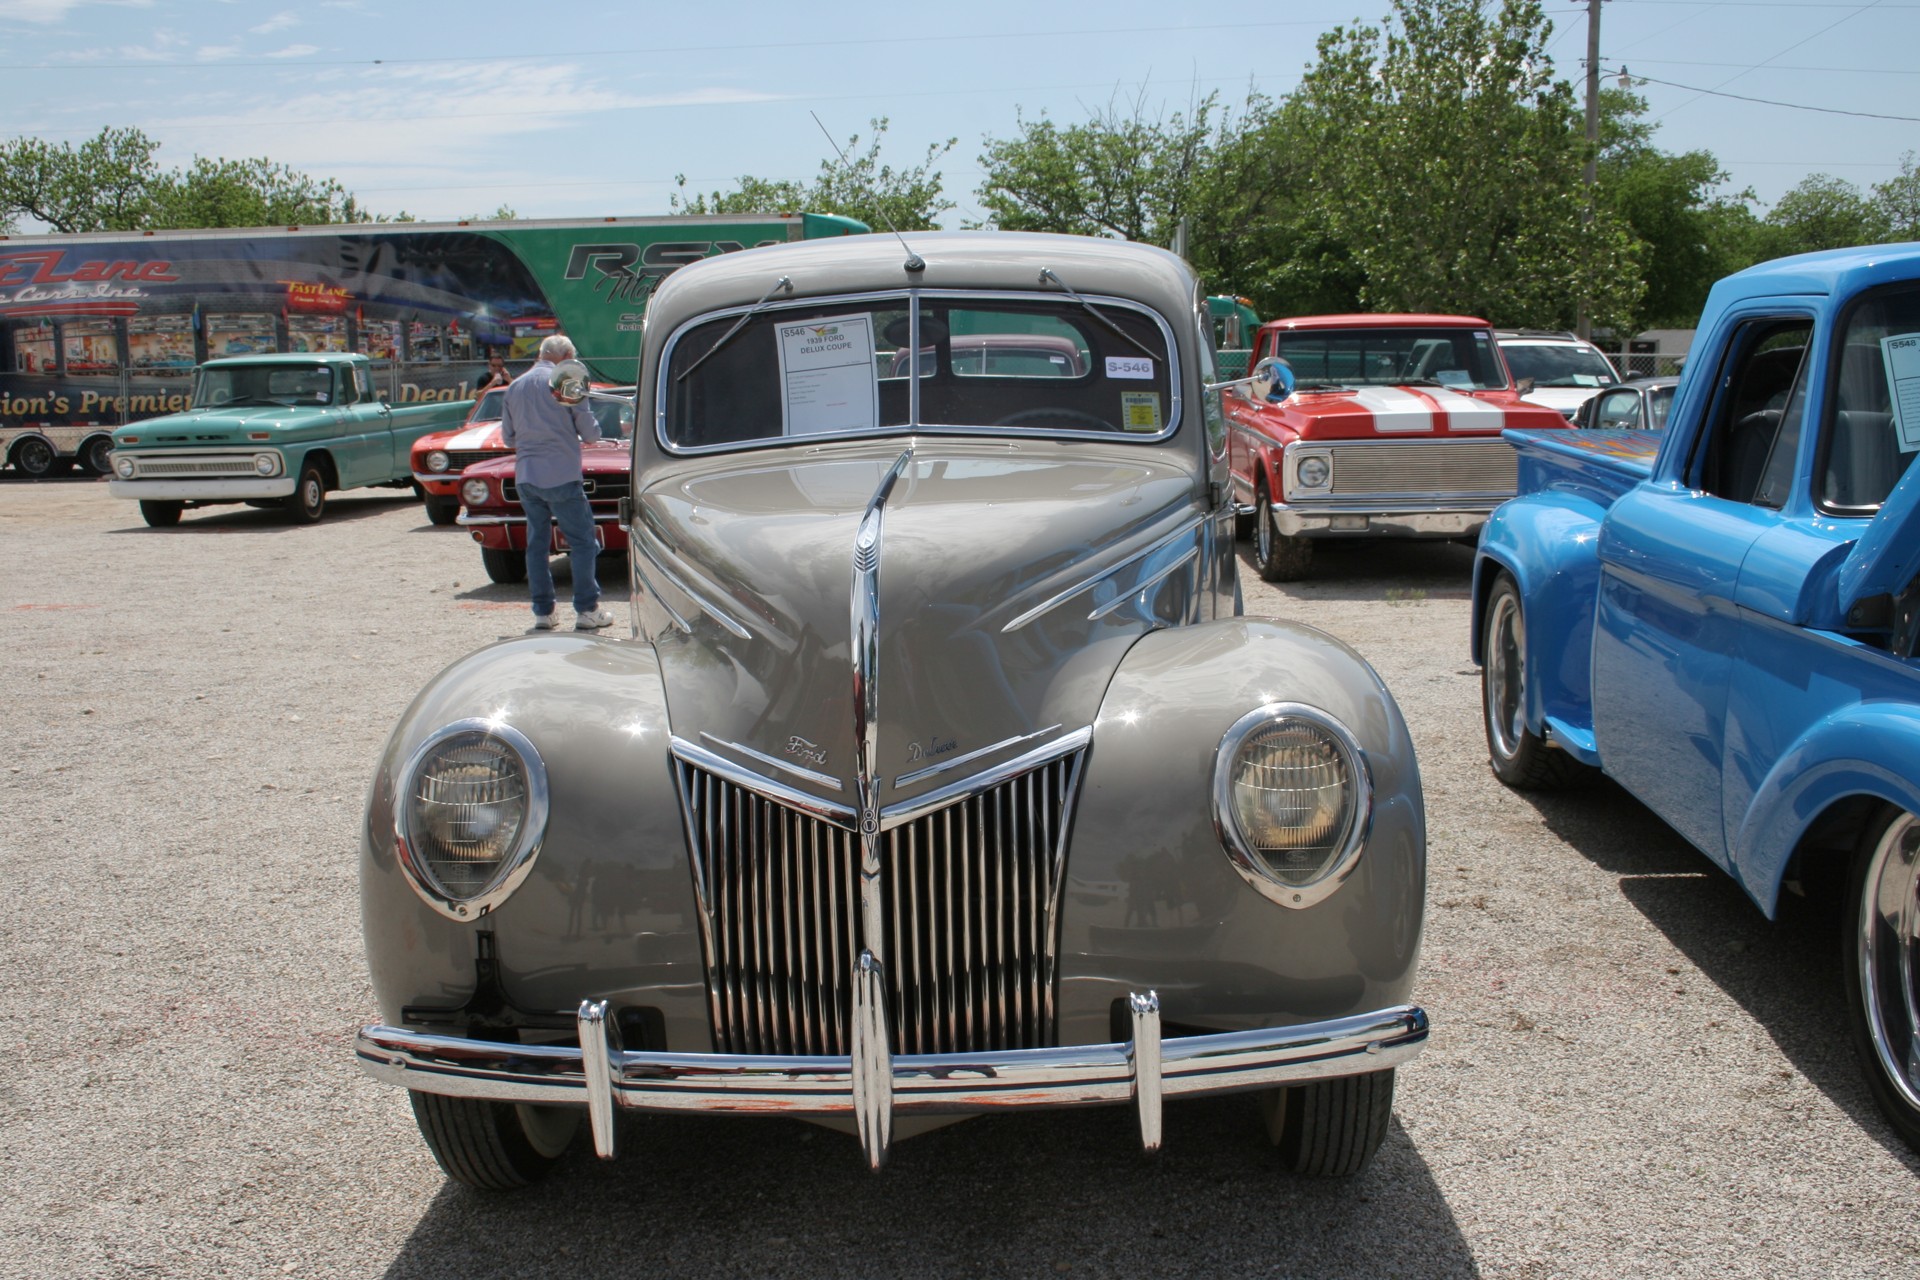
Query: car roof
{"points": [[962, 260], [1378, 320]]}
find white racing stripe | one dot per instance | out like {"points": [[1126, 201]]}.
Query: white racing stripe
{"points": [[1464, 413], [476, 438], [1395, 412]]}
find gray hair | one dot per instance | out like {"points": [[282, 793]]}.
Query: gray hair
{"points": [[556, 348]]}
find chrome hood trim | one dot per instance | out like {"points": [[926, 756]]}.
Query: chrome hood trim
{"points": [[881, 618]]}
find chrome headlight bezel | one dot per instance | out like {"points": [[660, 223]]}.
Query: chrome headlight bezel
{"points": [[515, 864], [266, 464], [1297, 466], [437, 460], [475, 492], [1241, 852], [124, 467]]}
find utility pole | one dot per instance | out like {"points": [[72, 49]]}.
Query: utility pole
{"points": [[1589, 175]]}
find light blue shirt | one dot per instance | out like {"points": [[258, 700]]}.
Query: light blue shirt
{"points": [[545, 434]]}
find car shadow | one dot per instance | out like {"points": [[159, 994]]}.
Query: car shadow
{"points": [[1044, 1193], [341, 508], [1367, 569], [1784, 973]]}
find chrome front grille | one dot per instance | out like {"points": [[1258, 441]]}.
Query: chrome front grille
{"points": [[460, 460], [967, 893], [153, 466], [1481, 466]]}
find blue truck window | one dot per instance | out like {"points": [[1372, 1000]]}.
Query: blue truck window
{"points": [[1763, 364], [1860, 456]]}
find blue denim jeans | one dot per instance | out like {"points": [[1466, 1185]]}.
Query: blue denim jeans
{"points": [[566, 506]]}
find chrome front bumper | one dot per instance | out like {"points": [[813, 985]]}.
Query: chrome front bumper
{"points": [[872, 1085], [1444, 519], [209, 489]]}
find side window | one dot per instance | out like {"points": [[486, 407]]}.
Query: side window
{"points": [[1870, 435], [1749, 424]]}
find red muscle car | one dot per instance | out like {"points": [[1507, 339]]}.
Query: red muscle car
{"points": [[439, 458]]}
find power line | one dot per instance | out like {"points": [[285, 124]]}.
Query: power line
{"points": [[1767, 102]]}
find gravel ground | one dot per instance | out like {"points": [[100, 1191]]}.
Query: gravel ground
{"points": [[1631, 1073]]}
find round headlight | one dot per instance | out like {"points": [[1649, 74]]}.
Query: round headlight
{"points": [[469, 816], [1314, 472], [266, 464], [1292, 800], [123, 467], [437, 460], [474, 493]]}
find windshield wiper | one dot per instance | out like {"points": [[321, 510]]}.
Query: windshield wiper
{"points": [[1046, 274], [782, 283]]}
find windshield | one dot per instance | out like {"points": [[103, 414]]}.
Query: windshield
{"points": [[614, 414], [1462, 359], [491, 406], [1558, 365], [1028, 365], [281, 384]]}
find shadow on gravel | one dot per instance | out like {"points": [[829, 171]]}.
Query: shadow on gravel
{"points": [[1368, 570], [1785, 973], [1039, 1195], [244, 519]]}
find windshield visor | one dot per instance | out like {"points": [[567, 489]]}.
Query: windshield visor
{"points": [[1001, 365], [1462, 359]]}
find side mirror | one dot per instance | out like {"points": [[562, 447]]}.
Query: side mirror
{"points": [[1524, 386], [1272, 380]]}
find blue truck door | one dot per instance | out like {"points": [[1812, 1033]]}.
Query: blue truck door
{"points": [[1667, 624]]}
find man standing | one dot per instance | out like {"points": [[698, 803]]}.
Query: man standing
{"points": [[545, 432]]}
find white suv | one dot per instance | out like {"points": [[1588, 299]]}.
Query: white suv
{"points": [[1564, 371]]}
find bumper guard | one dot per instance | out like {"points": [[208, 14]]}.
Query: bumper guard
{"points": [[872, 1085]]}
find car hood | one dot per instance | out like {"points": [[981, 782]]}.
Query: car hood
{"points": [[1010, 582], [217, 426], [601, 458], [1887, 556], [472, 437], [1366, 412]]}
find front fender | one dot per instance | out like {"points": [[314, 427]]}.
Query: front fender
{"points": [[1866, 749], [595, 710], [1150, 899], [1549, 544]]}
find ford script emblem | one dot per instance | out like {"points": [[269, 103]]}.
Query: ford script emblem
{"points": [[800, 749]]}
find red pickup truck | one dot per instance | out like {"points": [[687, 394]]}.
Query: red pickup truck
{"points": [[1390, 429]]}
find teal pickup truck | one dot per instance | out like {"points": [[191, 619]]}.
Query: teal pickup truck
{"points": [[273, 430]]}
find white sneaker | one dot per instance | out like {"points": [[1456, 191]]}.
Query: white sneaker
{"points": [[545, 621], [592, 621]]}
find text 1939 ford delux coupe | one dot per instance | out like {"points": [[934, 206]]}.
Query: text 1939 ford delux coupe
{"points": [[941, 774]]}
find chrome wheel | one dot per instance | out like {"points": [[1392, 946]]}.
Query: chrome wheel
{"points": [[1887, 960], [1504, 686]]}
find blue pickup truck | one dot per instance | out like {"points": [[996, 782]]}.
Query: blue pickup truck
{"points": [[1723, 616]]}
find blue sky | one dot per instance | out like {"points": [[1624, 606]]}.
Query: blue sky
{"points": [[585, 109]]}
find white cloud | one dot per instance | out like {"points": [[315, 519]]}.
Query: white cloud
{"points": [[293, 51], [51, 11], [278, 22], [215, 52]]}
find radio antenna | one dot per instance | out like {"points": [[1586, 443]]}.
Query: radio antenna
{"points": [[914, 261]]}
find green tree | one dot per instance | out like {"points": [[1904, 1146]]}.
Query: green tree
{"points": [[854, 185], [113, 182], [1446, 160], [1123, 173], [1691, 230], [1897, 201], [1822, 212]]}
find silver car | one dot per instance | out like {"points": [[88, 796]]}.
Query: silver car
{"points": [[941, 773]]}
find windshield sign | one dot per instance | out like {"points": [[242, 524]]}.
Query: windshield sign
{"points": [[921, 362]]}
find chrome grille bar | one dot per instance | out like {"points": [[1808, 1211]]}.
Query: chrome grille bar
{"points": [[1481, 466], [967, 901]]}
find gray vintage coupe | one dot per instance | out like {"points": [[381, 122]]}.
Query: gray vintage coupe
{"points": [[941, 774]]}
